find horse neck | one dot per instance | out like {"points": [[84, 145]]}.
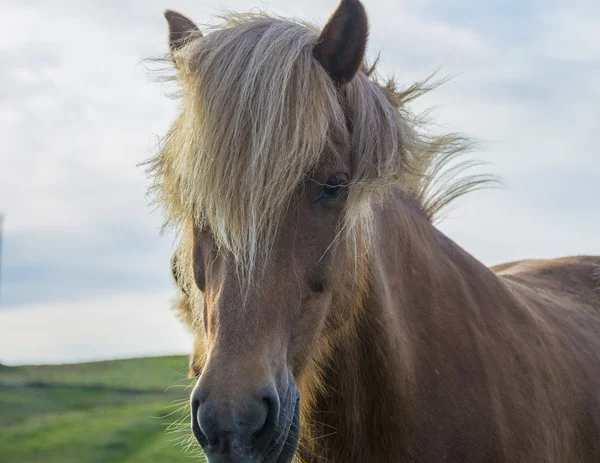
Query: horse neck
{"points": [[420, 284]]}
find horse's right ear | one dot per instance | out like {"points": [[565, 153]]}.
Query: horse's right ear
{"points": [[174, 269], [343, 41], [181, 30]]}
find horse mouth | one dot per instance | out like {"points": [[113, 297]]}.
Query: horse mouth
{"points": [[290, 442], [283, 448]]}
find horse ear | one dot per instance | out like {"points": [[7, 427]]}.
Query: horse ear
{"points": [[174, 269], [181, 30], [342, 43]]}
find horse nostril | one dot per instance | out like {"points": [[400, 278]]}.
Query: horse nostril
{"points": [[198, 434], [271, 406], [253, 419], [241, 426]]}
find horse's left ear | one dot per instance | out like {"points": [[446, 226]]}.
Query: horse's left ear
{"points": [[343, 41], [181, 30]]}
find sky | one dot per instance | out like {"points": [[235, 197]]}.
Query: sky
{"points": [[85, 270]]}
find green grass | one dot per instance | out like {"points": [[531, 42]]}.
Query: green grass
{"points": [[118, 411]]}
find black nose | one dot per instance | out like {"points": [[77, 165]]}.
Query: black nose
{"points": [[239, 427]]}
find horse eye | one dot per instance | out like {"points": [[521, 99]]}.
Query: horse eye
{"points": [[332, 188]]}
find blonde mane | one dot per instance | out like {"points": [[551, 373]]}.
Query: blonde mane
{"points": [[258, 111]]}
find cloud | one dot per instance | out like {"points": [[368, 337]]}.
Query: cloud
{"points": [[78, 115], [109, 326], [569, 32]]}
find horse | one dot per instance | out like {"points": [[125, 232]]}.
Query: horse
{"points": [[333, 320], [182, 306]]}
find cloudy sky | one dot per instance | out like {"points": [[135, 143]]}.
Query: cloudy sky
{"points": [[85, 272]]}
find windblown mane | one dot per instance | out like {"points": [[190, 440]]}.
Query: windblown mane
{"points": [[257, 113]]}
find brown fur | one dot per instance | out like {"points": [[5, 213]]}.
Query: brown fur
{"points": [[403, 347], [451, 362], [446, 360]]}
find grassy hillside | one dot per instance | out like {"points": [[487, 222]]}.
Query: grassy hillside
{"points": [[114, 411]]}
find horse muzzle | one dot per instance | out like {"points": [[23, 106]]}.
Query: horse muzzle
{"points": [[260, 426]]}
